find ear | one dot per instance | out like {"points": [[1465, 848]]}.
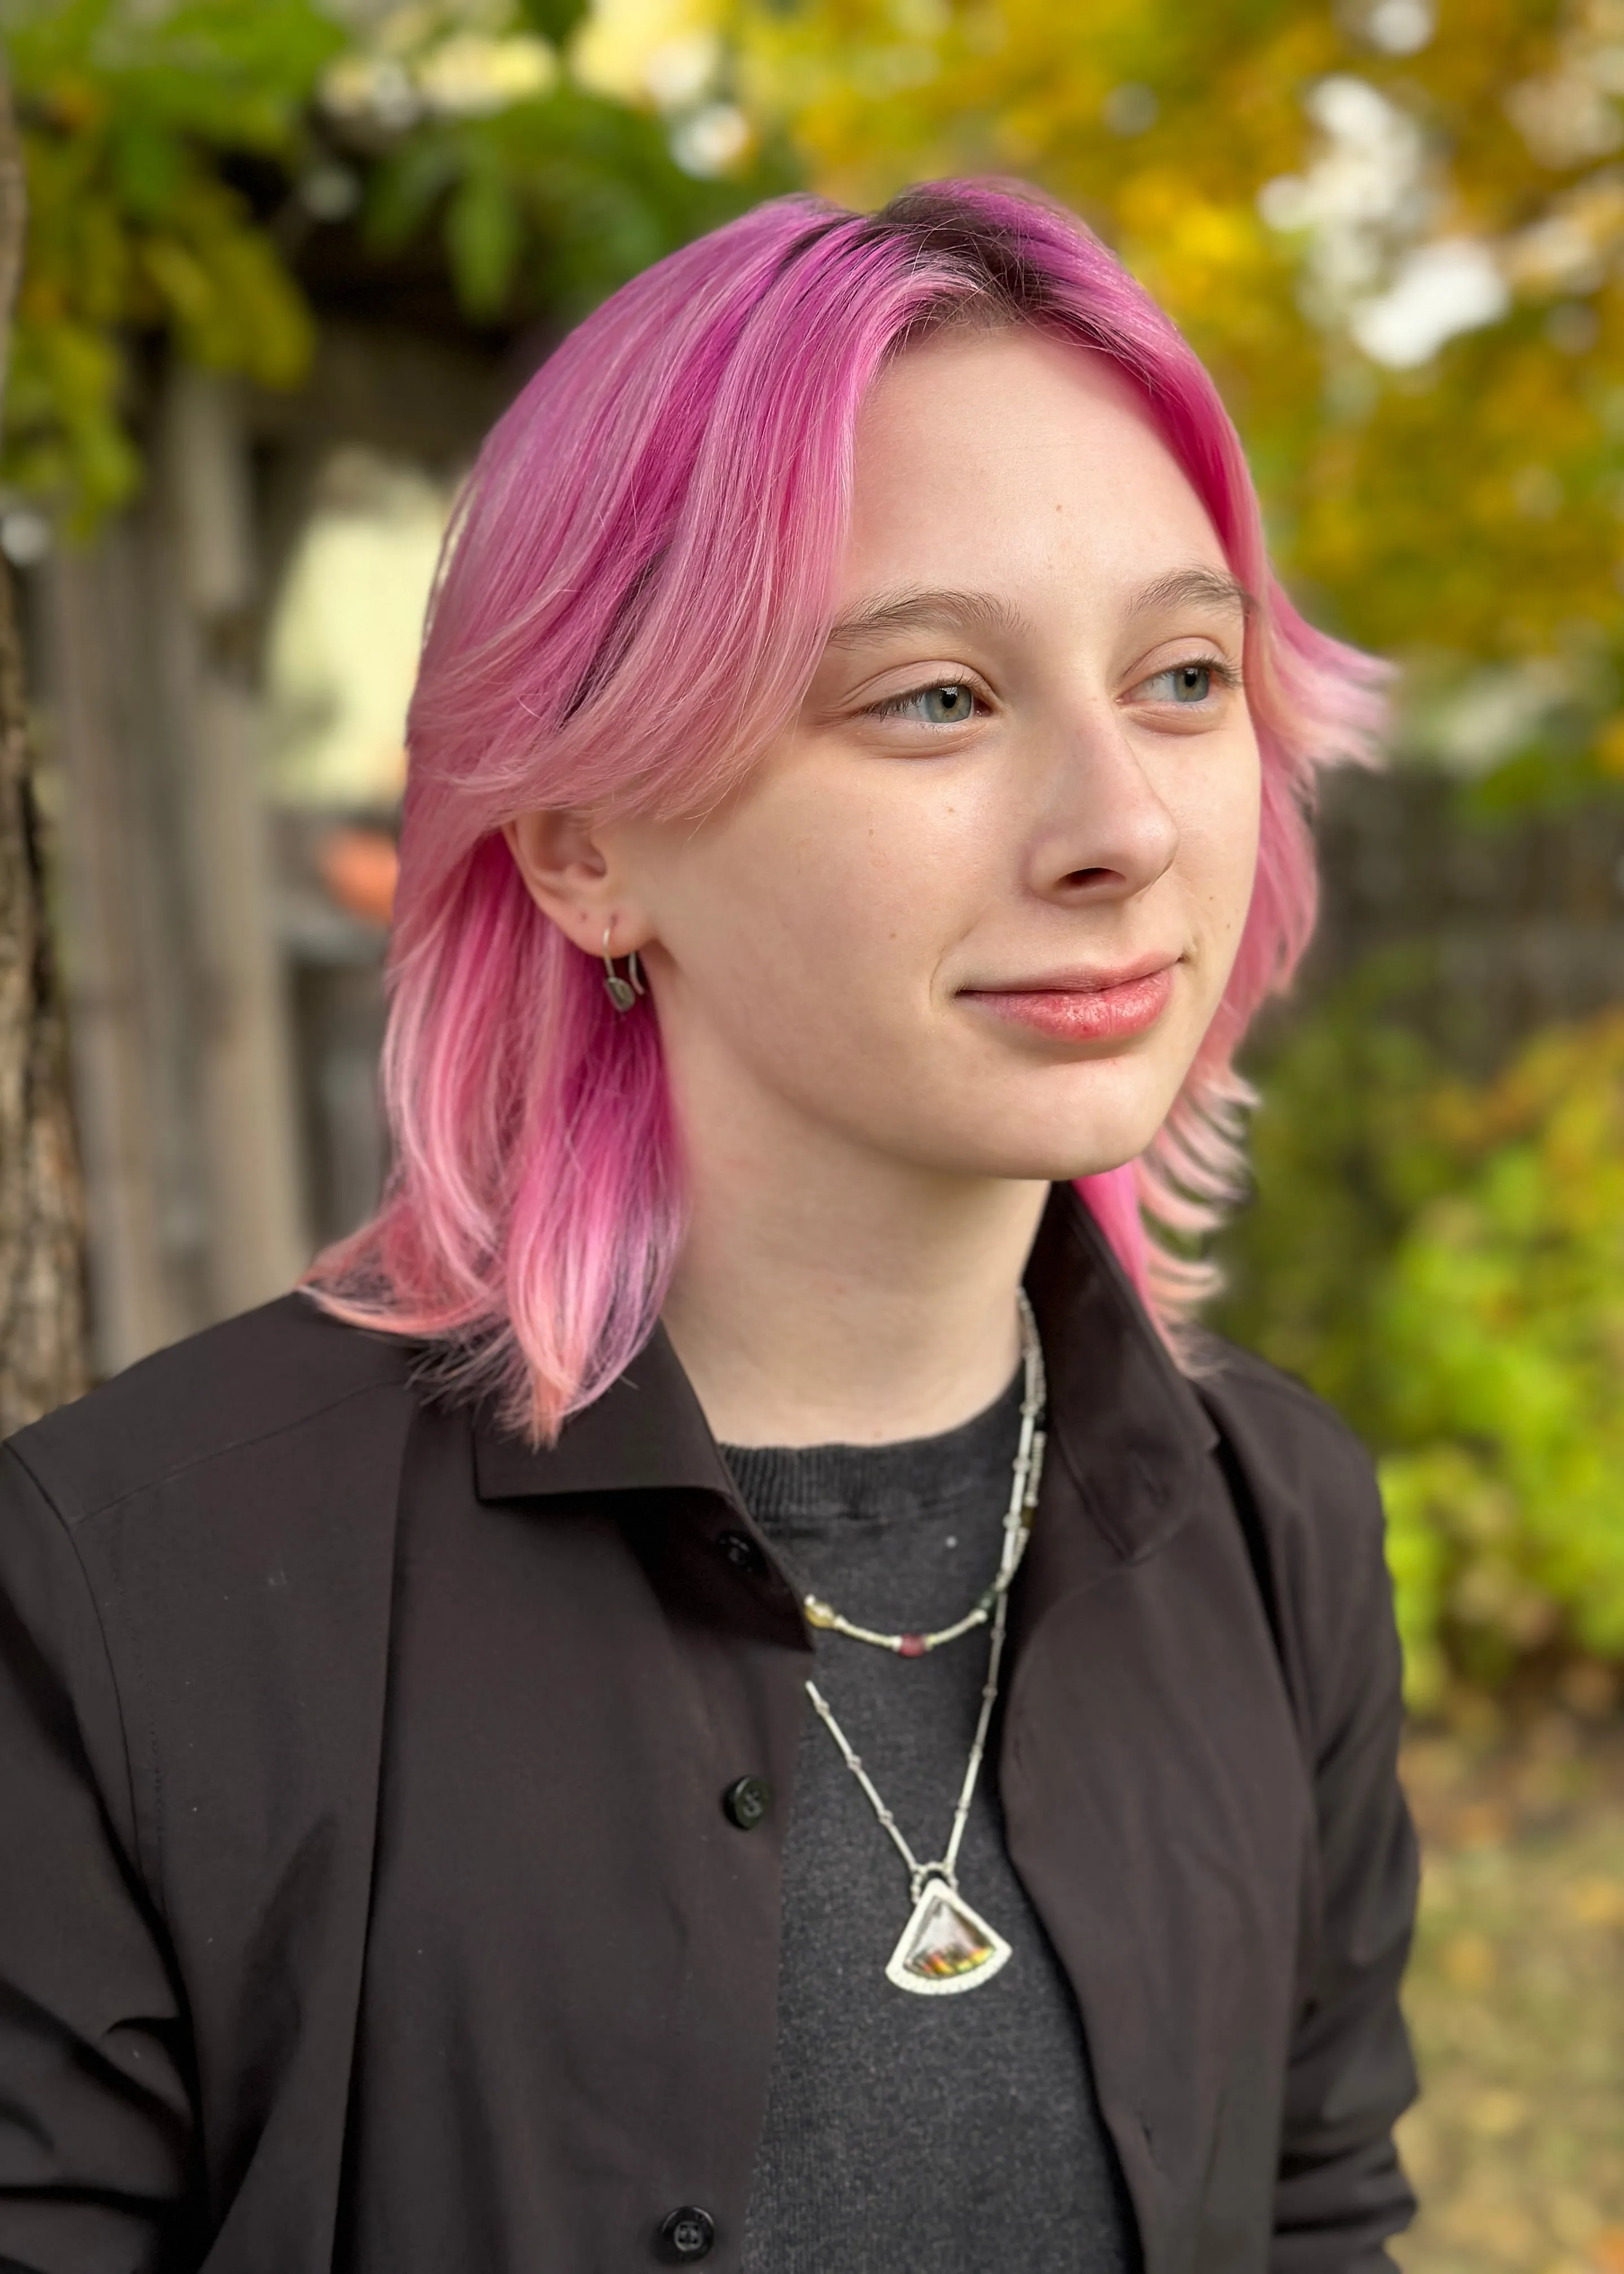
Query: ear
{"points": [[572, 877]]}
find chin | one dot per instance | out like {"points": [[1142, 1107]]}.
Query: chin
{"points": [[1058, 1139], [1064, 1166], [1021, 1124], [1057, 1156]]}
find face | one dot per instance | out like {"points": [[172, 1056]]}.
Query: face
{"points": [[976, 908]]}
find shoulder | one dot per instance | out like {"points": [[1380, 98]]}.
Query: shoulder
{"points": [[224, 1396], [1299, 1453], [202, 1552], [1307, 1486]]}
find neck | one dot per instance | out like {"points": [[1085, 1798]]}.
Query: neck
{"points": [[828, 1295]]}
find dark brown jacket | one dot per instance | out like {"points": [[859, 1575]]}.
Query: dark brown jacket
{"points": [[367, 1899]]}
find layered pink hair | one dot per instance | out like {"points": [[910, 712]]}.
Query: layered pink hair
{"points": [[665, 504]]}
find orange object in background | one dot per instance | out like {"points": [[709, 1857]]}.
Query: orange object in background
{"points": [[359, 867]]}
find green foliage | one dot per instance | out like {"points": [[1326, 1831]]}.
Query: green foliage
{"points": [[1503, 1319], [555, 20], [1447, 1262], [1342, 1163], [539, 196], [556, 200], [125, 115]]}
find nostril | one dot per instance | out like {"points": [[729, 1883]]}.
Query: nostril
{"points": [[1092, 877]]}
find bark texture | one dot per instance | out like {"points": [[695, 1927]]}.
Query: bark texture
{"points": [[42, 1324]]}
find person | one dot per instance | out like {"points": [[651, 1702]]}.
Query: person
{"points": [[735, 1678]]}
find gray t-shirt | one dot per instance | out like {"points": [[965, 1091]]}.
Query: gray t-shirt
{"points": [[959, 2134]]}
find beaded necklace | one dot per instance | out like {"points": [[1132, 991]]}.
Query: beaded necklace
{"points": [[947, 1947], [1017, 1526]]}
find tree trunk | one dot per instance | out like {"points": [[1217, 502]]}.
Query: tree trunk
{"points": [[41, 1216]]}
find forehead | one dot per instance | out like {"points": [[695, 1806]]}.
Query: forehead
{"points": [[1012, 459]]}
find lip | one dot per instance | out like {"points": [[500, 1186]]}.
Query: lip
{"points": [[1081, 1006]]}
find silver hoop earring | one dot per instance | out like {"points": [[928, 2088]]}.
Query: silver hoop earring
{"points": [[621, 993]]}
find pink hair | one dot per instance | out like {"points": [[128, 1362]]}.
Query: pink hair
{"points": [[667, 502]]}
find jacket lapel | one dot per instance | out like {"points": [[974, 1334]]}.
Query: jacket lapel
{"points": [[1153, 1793]]}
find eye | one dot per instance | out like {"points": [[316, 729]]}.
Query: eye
{"points": [[1188, 686], [949, 703]]}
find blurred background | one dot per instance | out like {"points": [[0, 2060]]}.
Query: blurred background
{"points": [[283, 263]]}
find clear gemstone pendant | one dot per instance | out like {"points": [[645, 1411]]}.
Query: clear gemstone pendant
{"points": [[945, 1946]]}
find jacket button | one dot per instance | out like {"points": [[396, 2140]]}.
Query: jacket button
{"points": [[741, 1551], [687, 2234], [747, 1800]]}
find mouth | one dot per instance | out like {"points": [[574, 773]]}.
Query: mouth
{"points": [[1084, 1006]]}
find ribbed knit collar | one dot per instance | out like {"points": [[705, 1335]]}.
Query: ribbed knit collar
{"points": [[825, 1483]]}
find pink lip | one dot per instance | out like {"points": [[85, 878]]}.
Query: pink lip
{"points": [[1085, 1006]]}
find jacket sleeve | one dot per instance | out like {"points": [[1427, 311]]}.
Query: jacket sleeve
{"points": [[96, 2121], [1342, 2192]]}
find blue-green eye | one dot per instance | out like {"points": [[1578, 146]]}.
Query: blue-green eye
{"points": [[950, 705], [1191, 684]]}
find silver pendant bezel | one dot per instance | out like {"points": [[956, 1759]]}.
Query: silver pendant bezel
{"points": [[953, 1984]]}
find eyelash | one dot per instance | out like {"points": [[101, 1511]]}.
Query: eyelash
{"points": [[1225, 673], [894, 706]]}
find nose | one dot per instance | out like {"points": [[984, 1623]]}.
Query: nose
{"points": [[1105, 831]]}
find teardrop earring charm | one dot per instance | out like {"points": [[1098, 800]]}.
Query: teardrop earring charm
{"points": [[621, 993]]}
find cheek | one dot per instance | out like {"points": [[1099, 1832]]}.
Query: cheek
{"points": [[845, 923], [1218, 842]]}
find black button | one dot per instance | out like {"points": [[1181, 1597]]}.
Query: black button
{"points": [[687, 2234], [741, 1551], [746, 1801]]}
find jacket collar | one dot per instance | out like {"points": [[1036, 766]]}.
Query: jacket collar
{"points": [[646, 1433], [1131, 1430]]}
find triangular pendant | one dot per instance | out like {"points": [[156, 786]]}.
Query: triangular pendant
{"points": [[945, 1946]]}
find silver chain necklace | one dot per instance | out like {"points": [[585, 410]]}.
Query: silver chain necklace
{"points": [[946, 1946]]}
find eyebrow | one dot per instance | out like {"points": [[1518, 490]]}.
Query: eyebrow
{"points": [[1213, 588], [951, 611], [925, 611]]}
